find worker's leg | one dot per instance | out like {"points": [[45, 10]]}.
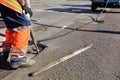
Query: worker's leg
{"points": [[18, 26], [20, 41], [7, 44], [18, 49], [15, 45]]}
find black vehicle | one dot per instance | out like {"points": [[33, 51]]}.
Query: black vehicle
{"points": [[102, 3]]}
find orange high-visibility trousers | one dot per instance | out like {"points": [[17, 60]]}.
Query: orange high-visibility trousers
{"points": [[16, 40]]}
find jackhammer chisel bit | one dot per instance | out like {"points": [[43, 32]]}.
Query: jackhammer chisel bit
{"points": [[37, 45]]}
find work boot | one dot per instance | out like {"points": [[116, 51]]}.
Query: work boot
{"points": [[21, 62], [4, 63], [6, 55]]}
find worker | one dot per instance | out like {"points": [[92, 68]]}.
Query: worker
{"points": [[17, 32]]}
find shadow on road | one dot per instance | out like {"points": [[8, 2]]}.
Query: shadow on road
{"points": [[75, 9], [72, 8], [100, 31], [74, 5]]}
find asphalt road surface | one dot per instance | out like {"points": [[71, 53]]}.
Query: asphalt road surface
{"points": [[66, 26]]}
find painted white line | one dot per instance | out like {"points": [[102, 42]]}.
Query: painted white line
{"points": [[43, 10], [39, 10], [64, 27]]}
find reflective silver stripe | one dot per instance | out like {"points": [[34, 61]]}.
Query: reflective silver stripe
{"points": [[18, 51], [19, 28], [7, 50]]}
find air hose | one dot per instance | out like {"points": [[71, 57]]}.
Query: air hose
{"points": [[94, 20]]}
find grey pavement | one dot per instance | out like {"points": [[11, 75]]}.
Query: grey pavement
{"points": [[55, 23]]}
